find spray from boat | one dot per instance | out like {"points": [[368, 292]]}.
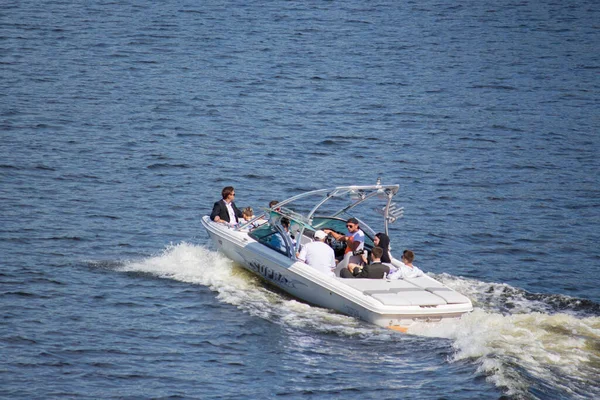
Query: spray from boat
{"points": [[513, 336]]}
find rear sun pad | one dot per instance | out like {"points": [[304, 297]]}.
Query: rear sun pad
{"points": [[435, 287], [396, 292], [419, 298]]}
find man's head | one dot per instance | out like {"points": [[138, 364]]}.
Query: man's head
{"points": [[352, 225], [272, 203], [408, 256], [376, 253], [320, 235], [228, 193]]}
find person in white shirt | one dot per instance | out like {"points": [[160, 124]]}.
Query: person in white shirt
{"points": [[406, 269], [225, 211], [318, 254]]}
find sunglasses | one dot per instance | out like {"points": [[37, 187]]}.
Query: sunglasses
{"points": [[350, 226]]}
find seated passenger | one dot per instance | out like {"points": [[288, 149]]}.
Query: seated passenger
{"points": [[277, 241], [285, 222], [318, 254], [406, 269], [248, 215], [382, 240], [375, 270]]}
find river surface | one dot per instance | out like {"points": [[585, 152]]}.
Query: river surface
{"points": [[121, 121]]}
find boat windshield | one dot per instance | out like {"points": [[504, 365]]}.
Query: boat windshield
{"points": [[273, 237], [296, 217]]}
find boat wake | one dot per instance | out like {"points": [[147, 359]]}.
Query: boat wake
{"points": [[528, 344], [522, 340], [236, 286]]}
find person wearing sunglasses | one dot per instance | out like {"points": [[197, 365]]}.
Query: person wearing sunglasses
{"points": [[355, 239], [224, 211]]}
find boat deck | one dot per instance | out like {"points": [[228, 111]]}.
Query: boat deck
{"points": [[421, 291]]}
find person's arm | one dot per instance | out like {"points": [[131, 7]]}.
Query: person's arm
{"points": [[214, 215], [336, 236], [364, 273], [364, 258], [302, 254], [354, 268], [332, 263]]}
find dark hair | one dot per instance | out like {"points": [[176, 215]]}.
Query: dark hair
{"points": [[409, 255], [272, 203], [377, 252], [352, 221], [285, 222], [384, 243], [227, 190]]}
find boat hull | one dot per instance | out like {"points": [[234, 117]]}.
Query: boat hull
{"points": [[364, 299]]}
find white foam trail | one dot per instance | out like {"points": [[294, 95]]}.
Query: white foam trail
{"points": [[199, 265], [560, 350]]}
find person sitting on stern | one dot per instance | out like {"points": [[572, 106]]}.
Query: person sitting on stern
{"points": [[225, 211], [406, 269], [375, 270]]}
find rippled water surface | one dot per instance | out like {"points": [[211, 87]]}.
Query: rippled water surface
{"points": [[121, 121]]}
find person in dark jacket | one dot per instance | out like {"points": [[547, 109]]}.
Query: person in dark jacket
{"points": [[225, 211], [375, 270]]}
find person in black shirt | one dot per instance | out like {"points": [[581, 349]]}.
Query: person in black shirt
{"points": [[375, 270]]}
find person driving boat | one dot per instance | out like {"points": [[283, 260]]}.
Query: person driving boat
{"points": [[355, 239]]}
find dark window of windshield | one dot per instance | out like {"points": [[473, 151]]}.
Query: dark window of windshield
{"points": [[268, 236]]}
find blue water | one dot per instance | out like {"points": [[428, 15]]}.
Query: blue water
{"points": [[121, 121]]}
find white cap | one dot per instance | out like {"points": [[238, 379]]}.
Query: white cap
{"points": [[320, 235]]}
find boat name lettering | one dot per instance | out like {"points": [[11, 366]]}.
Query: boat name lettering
{"points": [[270, 274]]}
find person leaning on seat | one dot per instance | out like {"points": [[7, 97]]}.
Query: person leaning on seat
{"points": [[375, 270], [224, 211], [406, 269]]}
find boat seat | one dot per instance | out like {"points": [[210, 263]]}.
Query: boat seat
{"points": [[437, 288], [363, 284], [395, 292], [342, 264], [348, 258], [304, 240]]}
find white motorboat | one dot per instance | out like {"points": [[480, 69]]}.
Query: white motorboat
{"points": [[391, 303]]}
